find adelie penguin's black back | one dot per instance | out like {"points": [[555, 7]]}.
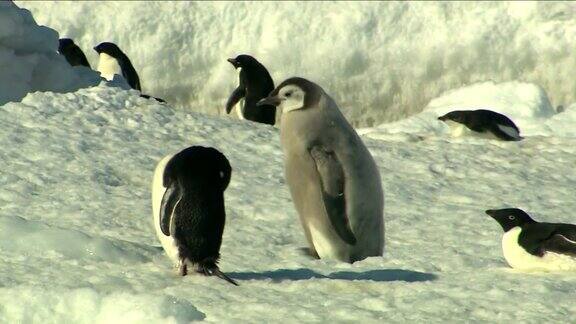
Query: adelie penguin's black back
{"points": [[200, 176], [72, 52], [255, 84]]}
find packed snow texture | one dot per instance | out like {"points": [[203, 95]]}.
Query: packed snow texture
{"points": [[29, 60], [77, 243], [380, 60]]}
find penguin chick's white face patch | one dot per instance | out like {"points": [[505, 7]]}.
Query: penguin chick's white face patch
{"points": [[108, 66], [292, 98]]}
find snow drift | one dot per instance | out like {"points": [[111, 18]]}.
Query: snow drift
{"points": [[29, 60], [381, 61]]}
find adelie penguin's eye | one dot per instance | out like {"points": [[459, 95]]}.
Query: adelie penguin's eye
{"points": [[221, 174], [511, 217], [288, 94]]}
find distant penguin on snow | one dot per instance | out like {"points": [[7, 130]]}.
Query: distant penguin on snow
{"points": [[113, 61], [530, 245], [486, 122], [255, 84], [188, 206], [333, 179], [72, 53]]}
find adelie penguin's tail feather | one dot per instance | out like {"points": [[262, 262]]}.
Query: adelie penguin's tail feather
{"points": [[221, 275], [213, 270]]}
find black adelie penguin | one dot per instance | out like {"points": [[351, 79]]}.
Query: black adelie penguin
{"points": [[255, 84], [528, 244], [113, 61], [72, 52], [188, 205], [485, 122]]}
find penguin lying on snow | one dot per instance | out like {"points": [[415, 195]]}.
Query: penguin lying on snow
{"points": [[255, 84], [188, 206], [528, 244], [113, 61], [333, 179], [483, 121], [72, 52]]}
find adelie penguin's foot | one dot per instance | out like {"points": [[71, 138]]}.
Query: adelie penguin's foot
{"points": [[182, 268], [211, 269]]}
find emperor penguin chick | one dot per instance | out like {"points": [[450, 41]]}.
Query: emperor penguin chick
{"points": [[333, 179]]}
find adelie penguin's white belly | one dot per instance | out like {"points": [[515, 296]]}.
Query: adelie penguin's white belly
{"points": [[108, 66], [168, 242], [460, 130], [518, 258]]}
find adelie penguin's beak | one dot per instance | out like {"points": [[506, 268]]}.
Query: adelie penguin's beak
{"points": [[442, 118], [233, 62], [490, 212], [272, 101]]}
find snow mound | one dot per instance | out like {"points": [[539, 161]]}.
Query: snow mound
{"points": [[526, 104], [85, 305], [29, 60], [403, 54], [29, 237]]}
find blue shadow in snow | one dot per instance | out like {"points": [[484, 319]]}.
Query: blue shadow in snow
{"points": [[383, 275]]}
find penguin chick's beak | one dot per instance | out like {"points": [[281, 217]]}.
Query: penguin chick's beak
{"points": [[233, 62], [272, 101]]}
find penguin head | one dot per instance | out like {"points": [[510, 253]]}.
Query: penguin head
{"points": [[198, 165], [110, 49], [459, 116], [509, 218], [242, 61], [64, 43], [294, 94]]}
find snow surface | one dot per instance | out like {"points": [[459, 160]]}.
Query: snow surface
{"points": [[77, 242], [29, 60], [381, 61]]}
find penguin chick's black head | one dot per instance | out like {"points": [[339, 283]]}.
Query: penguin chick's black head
{"points": [[200, 165], [509, 218], [243, 61], [109, 48]]}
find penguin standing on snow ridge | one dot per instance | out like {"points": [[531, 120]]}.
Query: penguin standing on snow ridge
{"points": [[255, 84], [483, 121], [333, 179], [113, 61], [188, 206], [530, 245], [72, 52]]}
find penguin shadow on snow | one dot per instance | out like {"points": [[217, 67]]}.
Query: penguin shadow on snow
{"points": [[380, 275]]}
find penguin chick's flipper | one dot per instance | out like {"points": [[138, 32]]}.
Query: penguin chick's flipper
{"points": [[211, 269], [332, 182], [236, 95], [170, 199], [558, 243]]}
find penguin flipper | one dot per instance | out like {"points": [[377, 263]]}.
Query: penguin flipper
{"points": [[506, 132], [169, 202], [332, 181], [559, 243], [236, 95]]}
